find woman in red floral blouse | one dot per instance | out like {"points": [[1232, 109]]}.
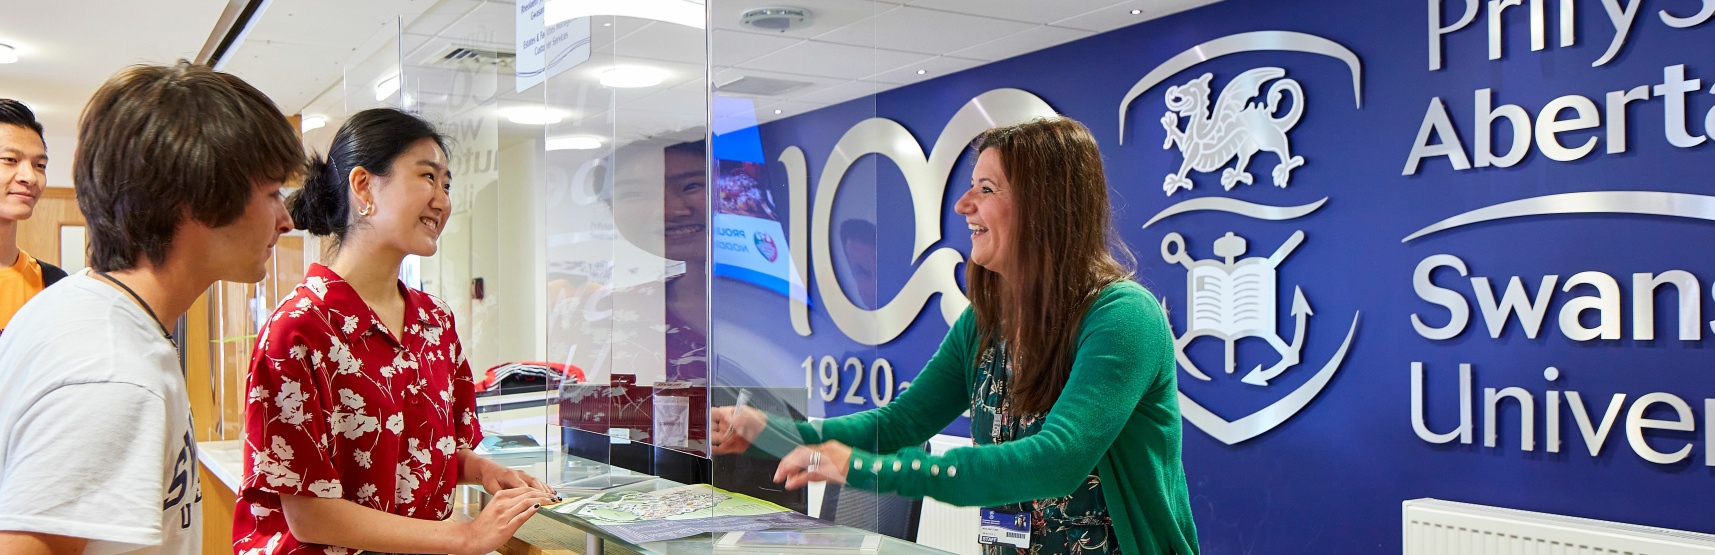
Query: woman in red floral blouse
{"points": [[361, 412]]}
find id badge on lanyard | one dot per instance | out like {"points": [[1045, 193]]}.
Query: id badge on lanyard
{"points": [[999, 526], [1004, 528]]}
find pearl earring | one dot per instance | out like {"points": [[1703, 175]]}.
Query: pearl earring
{"points": [[366, 210]]}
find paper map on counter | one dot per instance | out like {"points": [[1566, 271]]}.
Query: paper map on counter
{"points": [[684, 511]]}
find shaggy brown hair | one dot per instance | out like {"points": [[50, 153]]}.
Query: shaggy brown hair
{"points": [[160, 143]]}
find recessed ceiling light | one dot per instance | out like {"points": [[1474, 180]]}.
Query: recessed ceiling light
{"points": [[386, 88], [777, 111], [1136, 12], [8, 55], [312, 123], [922, 71], [532, 115], [632, 77], [574, 143]]}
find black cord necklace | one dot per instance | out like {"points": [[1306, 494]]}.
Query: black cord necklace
{"points": [[143, 303]]}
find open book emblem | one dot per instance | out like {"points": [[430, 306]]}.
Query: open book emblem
{"points": [[1234, 299]]}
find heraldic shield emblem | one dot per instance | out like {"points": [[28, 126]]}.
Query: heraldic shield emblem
{"points": [[1236, 295]]}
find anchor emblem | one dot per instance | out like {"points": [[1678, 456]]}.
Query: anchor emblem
{"points": [[1235, 299]]}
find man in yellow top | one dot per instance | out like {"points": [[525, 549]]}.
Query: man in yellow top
{"points": [[23, 174]]}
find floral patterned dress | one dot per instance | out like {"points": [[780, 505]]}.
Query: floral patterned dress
{"points": [[1077, 524], [339, 408]]}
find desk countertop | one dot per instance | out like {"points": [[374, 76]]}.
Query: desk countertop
{"points": [[225, 460]]}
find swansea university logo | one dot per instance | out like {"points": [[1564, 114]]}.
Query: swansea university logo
{"points": [[1235, 294]]}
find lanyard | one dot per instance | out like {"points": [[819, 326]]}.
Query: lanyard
{"points": [[144, 304]]}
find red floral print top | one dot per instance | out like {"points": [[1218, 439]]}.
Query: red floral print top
{"points": [[338, 408]]}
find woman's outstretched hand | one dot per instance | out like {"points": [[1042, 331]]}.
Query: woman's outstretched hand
{"points": [[733, 428], [827, 462]]}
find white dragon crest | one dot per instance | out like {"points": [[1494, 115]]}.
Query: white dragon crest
{"points": [[1237, 128]]}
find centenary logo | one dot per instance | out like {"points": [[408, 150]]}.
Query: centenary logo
{"points": [[926, 177], [1232, 297]]}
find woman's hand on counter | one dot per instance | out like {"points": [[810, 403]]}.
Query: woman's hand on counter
{"points": [[499, 478], [495, 477], [826, 462], [733, 428], [501, 519]]}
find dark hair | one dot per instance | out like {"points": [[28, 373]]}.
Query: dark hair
{"points": [[158, 143], [371, 139], [1062, 250], [16, 113]]}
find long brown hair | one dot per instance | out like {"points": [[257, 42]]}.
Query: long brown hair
{"points": [[1063, 253]]}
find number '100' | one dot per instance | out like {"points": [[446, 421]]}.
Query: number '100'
{"points": [[825, 378]]}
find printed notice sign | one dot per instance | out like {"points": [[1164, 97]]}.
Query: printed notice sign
{"points": [[546, 50]]}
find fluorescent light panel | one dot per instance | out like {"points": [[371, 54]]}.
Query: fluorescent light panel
{"points": [[682, 12], [532, 115], [632, 77], [582, 142]]}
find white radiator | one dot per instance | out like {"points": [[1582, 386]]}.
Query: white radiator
{"points": [[1433, 526], [943, 526]]}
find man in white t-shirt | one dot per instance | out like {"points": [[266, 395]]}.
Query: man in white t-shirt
{"points": [[178, 172]]}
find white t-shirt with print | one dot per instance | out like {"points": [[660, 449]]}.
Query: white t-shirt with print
{"points": [[95, 427]]}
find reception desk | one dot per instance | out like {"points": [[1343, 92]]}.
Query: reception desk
{"points": [[555, 532], [549, 532]]}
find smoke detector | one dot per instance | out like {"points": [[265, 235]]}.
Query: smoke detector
{"points": [[776, 18]]}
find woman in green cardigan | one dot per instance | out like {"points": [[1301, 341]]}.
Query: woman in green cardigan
{"points": [[1065, 364]]}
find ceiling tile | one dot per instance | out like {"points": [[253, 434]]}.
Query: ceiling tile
{"points": [[732, 48], [1119, 15], [925, 31], [292, 74], [1028, 11], [932, 68], [662, 41], [1023, 42], [833, 60], [842, 92]]}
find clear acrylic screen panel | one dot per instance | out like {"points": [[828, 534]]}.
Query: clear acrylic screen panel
{"points": [[455, 70], [627, 251], [798, 264]]}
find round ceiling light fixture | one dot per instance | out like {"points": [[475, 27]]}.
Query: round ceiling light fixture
{"points": [[8, 55], [312, 123], [776, 19], [632, 77]]}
